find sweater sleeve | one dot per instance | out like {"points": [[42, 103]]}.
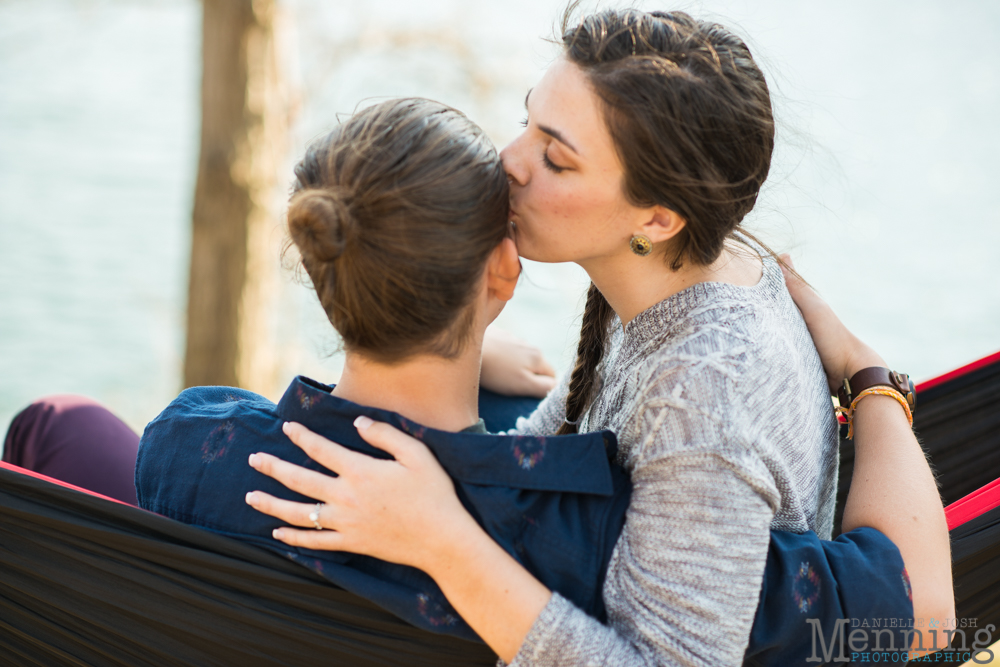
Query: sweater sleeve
{"points": [[683, 584], [687, 571], [549, 415]]}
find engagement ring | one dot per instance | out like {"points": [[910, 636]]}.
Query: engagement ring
{"points": [[314, 516]]}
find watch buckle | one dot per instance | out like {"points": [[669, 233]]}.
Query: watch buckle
{"points": [[901, 381]]}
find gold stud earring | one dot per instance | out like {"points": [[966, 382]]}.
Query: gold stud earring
{"points": [[641, 245]]}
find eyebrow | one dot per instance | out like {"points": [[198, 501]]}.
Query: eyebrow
{"points": [[558, 136], [552, 132]]}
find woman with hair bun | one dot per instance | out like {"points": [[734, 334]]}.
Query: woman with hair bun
{"points": [[645, 145]]}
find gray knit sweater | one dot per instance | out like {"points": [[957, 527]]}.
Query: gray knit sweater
{"points": [[726, 426]]}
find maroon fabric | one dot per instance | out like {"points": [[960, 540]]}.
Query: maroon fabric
{"points": [[76, 440]]}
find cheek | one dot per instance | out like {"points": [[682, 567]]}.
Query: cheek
{"points": [[586, 207], [554, 226], [558, 201], [567, 221]]}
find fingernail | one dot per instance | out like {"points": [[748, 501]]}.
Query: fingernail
{"points": [[284, 427], [277, 533], [252, 499], [362, 423], [254, 460]]}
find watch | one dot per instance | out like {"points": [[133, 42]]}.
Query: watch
{"points": [[876, 376]]}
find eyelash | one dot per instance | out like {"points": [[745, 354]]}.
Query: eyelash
{"points": [[551, 166]]}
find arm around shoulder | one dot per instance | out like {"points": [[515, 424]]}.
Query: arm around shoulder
{"points": [[892, 489]]}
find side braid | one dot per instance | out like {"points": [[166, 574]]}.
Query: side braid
{"points": [[593, 330]]}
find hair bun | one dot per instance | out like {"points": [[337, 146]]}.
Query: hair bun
{"points": [[319, 221]]}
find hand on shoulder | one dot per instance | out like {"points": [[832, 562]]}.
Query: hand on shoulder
{"points": [[843, 354]]}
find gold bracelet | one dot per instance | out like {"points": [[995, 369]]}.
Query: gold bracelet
{"points": [[881, 391]]}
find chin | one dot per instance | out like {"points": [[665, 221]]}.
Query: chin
{"points": [[525, 248], [532, 248], [536, 254]]}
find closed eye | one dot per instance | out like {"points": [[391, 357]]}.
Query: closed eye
{"points": [[524, 122], [550, 165]]}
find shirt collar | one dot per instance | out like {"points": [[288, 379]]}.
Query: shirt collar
{"points": [[567, 463]]}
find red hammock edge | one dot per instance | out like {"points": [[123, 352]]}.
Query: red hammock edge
{"points": [[45, 478], [959, 372], [986, 498]]}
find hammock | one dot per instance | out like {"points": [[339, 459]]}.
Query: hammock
{"points": [[958, 423], [86, 580]]}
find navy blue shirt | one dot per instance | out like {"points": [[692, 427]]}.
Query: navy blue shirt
{"points": [[556, 504]]}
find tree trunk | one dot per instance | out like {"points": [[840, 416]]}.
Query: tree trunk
{"points": [[234, 255]]}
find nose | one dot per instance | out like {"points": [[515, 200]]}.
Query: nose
{"points": [[514, 163]]}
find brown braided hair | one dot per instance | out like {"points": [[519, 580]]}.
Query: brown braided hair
{"points": [[689, 113]]}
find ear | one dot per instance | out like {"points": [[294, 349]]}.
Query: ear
{"points": [[502, 270], [663, 224]]}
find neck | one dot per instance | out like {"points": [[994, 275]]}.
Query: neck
{"points": [[433, 391], [632, 284]]}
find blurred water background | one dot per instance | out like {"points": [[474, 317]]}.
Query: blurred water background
{"points": [[884, 184]]}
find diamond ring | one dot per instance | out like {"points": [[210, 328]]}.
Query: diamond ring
{"points": [[314, 516]]}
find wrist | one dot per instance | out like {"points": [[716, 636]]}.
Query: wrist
{"points": [[861, 356], [876, 410], [456, 540], [493, 592]]}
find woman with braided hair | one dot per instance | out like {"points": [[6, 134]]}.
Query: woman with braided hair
{"points": [[645, 145]]}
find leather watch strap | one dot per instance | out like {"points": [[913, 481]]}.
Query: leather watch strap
{"points": [[877, 376]]}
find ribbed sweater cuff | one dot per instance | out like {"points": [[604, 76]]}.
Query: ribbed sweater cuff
{"points": [[547, 627]]}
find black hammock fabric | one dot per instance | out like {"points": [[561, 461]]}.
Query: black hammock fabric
{"points": [[975, 562], [958, 423], [85, 581]]}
